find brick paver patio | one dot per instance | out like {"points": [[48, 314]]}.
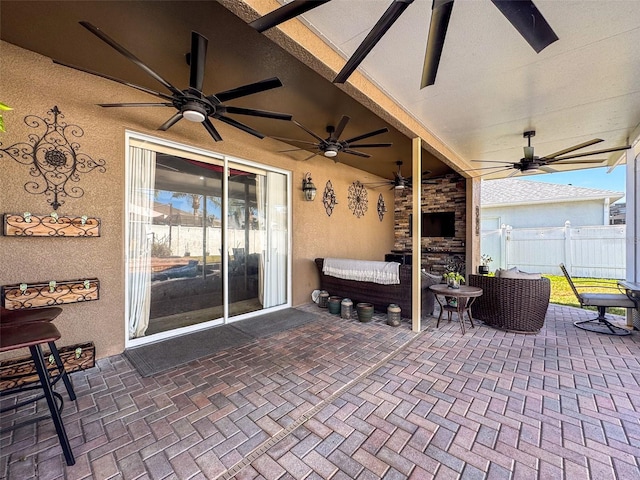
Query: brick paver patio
{"points": [[343, 400]]}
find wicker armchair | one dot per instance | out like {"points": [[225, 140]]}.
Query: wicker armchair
{"points": [[513, 304]]}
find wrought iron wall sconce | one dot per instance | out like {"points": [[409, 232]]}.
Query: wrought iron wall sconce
{"points": [[54, 158], [358, 201], [329, 198], [308, 188], [382, 208]]}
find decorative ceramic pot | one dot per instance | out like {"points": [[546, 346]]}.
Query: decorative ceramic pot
{"points": [[393, 315], [365, 311], [323, 300], [334, 304], [346, 308]]}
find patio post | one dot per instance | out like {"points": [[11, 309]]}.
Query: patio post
{"points": [[416, 247]]}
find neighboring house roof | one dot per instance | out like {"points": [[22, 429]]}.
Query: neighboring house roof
{"points": [[510, 191]]}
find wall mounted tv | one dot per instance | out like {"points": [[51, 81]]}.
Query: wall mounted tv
{"points": [[436, 224]]}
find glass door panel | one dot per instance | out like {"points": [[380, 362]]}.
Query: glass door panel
{"points": [[186, 278], [257, 256]]}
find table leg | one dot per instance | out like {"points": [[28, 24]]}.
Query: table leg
{"points": [[441, 310], [461, 308], [471, 300]]}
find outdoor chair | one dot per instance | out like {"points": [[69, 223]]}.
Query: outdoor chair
{"points": [[513, 304], [600, 324]]}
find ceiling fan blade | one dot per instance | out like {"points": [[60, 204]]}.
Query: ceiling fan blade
{"points": [[197, 60], [497, 168], [248, 89], [284, 139], [112, 43], [241, 126], [575, 147], [317, 137], [491, 161], [335, 135], [258, 113], [568, 162], [161, 104], [595, 152], [371, 145], [211, 129], [366, 135], [528, 21], [377, 32], [515, 172], [355, 152], [114, 79], [290, 150], [547, 169], [440, 15], [171, 122], [310, 157], [284, 13]]}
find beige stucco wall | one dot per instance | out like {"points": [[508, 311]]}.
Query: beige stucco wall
{"points": [[32, 85]]}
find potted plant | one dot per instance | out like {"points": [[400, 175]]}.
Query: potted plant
{"points": [[453, 279], [485, 260]]}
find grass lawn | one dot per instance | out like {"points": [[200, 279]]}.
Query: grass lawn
{"points": [[562, 294]]}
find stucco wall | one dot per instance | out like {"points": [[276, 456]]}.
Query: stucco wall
{"points": [[32, 85], [583, 213]]}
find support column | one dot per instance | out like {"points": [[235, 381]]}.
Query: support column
{"points": [[416, 237]]}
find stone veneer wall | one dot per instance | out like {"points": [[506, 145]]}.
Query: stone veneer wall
{"points": [[446, 195]]}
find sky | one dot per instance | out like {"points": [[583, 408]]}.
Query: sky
{"points": [[587, 178]]}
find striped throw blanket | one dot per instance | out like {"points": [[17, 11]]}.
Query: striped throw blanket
{"points": [[384, 273]]}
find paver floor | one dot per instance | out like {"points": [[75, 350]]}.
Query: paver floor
{"points": [[337, 399]]}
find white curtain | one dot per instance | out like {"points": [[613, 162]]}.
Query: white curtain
{"points": [[275, 264], [262, 215], [140, 194]]}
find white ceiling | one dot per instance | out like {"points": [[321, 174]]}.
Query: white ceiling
{"points": [[491, 86]]}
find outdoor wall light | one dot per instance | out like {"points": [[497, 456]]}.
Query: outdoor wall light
{"points": [[308, 188]]}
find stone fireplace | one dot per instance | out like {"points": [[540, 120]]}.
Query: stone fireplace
{"points": [[447, 194]]}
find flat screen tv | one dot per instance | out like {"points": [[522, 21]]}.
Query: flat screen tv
{"points": [[436, 224]]}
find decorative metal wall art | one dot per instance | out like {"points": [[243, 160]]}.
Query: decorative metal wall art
{"points": [[329, 198], [358, 202], [53, 225], [382, 208], [54, 158], [22, 295]]}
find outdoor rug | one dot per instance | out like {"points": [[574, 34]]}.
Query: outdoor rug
{"points": [[157, 357], [275, 322]]}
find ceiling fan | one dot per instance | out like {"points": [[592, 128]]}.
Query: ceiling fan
{"points": [[531, 163], [191, 104], [332, 145], [400, 182], [523, 15]]}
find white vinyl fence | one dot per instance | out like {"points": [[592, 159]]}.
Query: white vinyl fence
{"points": [[593, 252]]}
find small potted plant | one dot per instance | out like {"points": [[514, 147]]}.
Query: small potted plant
{"points": [[453, 279], [485, 260]]}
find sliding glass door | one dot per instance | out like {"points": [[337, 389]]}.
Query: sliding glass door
{"points": [[207, 241]]}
